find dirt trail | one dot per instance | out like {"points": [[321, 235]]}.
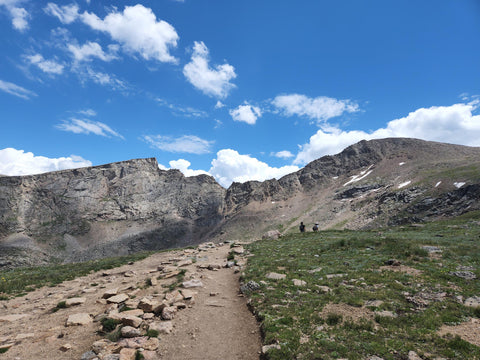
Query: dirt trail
{"points": [[217, 325]]}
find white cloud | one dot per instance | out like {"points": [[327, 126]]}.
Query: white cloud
{"points": [[138, 30], [184, 167], [184, 144], [214, 82], [320, 108], [48, 66], [84, 126], [18, 162], [246, 113], [285, 154], [91, 50], [16, 90], [18, 14], [230, 166], [66, 13], [88, 112], [455, 124], [219, 105]]}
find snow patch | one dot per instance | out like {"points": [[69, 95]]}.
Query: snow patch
{"points": [[335, 178], [438, 183], [362, 175], [458, 185], [404, 184], [402, 163]]}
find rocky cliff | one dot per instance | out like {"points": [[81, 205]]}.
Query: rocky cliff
{"points": [[106, 210], [133, 205]]}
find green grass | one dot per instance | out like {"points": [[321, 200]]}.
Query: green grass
{"points": [[292, 316], [18, 281]]}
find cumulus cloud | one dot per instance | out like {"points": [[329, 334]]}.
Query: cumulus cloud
{"points": [[16, 90], [85, 126], [66, 13], [48, 66], [214, 82], [319, 109], [15, 162], [91, 50], [451, 124], [18, 14], [138, 31], [184, 166], [285, 154], [246, 113], [183, 144], [230, 166]]}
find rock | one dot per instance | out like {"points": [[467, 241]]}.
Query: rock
{"points": [[151, 344], [374, 303], [468, 275], [298, 282], [238, 250], [188, 294], [6, 346], [149, 305], [412, 355], [386, 313], [163, 327], [148, 316], [173, 297], [130, 320], [168, 313], [230, 264], [185, 262], [332, 276], [12, 318], [249, 287], [473, 301], [127, 354], [89, 355], [117, 299], [272, 235], [21, 337], [109, 293], [75, 301], [134, 312], [265, 348], [111, 357], [65, 347], [192, 283], [276, 276], [392, 262], [79, 319], [149, 355], [140, 342], [130, 273], [324, 289], [130, 332]]}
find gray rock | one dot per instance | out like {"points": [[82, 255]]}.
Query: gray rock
{"points": [[89, 355], [468, 275], [249, 287]]}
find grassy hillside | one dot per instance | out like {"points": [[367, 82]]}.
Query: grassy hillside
{"points": [[385, 292]]}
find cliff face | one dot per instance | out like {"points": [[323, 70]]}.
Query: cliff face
{"points": [[108, 210], [133, 205]]}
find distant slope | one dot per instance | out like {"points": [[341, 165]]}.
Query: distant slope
{"points": [[130, 206]]}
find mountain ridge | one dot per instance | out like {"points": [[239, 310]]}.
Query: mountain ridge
{"points": [[132, 205]]}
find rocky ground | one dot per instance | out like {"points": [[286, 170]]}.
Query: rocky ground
{"points": [[188, 301]]}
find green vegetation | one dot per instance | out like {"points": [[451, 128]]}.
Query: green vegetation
{"points": [[152, 333], [18, 281], [178, 281], [354, 305]]}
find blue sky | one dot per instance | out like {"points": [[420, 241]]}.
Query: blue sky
{"points": [[237, 89]]}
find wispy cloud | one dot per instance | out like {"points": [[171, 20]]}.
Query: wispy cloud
{"points": [[178, 110], [214, 82], [184, 144], [65, 13], [90, 50], [16, 90], [85, 126]]}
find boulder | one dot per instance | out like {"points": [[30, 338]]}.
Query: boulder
{"points": [[79, 319]]}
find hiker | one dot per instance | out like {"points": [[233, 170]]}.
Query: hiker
{"points": [[315, 227], [302, 227]]}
